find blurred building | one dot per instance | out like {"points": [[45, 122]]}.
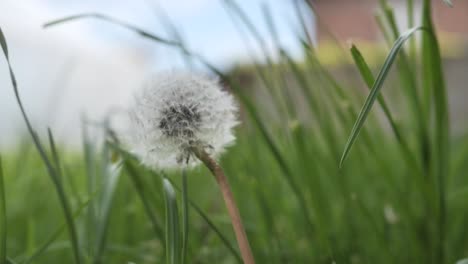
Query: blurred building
{"points": [[345, 20], [356, 19]]}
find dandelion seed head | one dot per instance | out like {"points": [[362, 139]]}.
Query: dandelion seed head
{"points": [[178, 110]]}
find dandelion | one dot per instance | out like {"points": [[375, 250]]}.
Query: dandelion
{"points": [[175, 112], [182, 119]]}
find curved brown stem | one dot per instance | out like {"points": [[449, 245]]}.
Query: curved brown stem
{"points": [[221, 179]]}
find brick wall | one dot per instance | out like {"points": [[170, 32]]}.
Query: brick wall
{"points": [[354, 19]]}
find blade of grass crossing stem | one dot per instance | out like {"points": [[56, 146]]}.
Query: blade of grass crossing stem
{"points": [[3, 218], [128, 156], [185, 216], [173, 248], [211, 225], [375, 90], [52, 171]]}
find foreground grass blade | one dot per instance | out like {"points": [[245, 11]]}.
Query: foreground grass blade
{"points": [[185, 216], [52, 171], [368, 77], [173, 249], [435, 87], [375, 90], [3, 219]]}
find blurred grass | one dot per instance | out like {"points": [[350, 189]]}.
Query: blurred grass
{"points": [[399, 198]]}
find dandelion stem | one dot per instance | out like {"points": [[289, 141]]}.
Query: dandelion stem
{"points": [[221, 179]]}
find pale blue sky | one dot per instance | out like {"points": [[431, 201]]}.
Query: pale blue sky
{"points": [[205, 24], [89, 67]]}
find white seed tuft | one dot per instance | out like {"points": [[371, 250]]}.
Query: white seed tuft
{"points": [[175, 111]]}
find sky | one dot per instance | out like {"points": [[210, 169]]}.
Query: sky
{"points": [[90, 67]]}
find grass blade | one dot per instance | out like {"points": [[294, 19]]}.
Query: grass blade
{"points": [[185, 216], [3, 218], [111, 175], [378, 84], [210, 223], [223, 238], [173, 249], [368, 77], [113, 21], [52, 171], [434, 78]]}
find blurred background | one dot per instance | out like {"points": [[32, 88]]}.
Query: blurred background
{"points": [[91, 67]]}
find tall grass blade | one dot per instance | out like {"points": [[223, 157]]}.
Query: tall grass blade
{"points": [[3, 218], [90, 169], [52, 171], [185, 216], [369, 79], [173, 248], [111, 175], [434, 77], [378, 84]]}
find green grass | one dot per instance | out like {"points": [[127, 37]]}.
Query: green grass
{"points": [[399, 197]]}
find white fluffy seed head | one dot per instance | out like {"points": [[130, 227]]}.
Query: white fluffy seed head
{"points": [[175, 111]]}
